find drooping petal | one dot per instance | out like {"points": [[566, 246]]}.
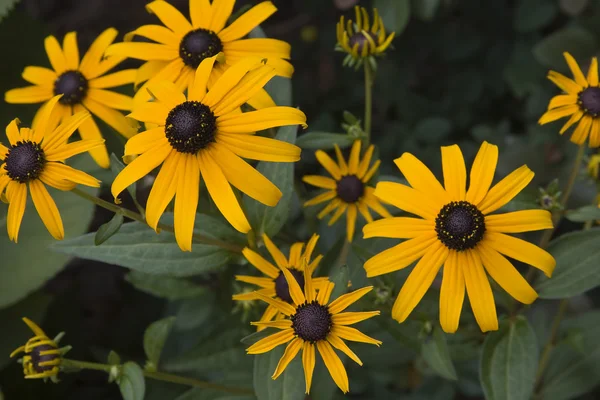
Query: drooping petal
{"points": [[164, 188], [272, 341], [521, 250], [339, 344], [89, 131], [16, 209], [47, 210], [399, 256], [452, 293], [455, 173], [398, 228], [595, 134], [519, 221], [505, 190], [308, 363], [351, 221], [201, 77], [291, 351], [582, 131], [480, 292], [334, 366], [482, 172], [186, 201]]}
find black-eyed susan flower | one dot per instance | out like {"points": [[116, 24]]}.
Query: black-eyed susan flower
{"points": [[274, 284], [82, 84], [180, 45], [42, 357], [456, 230], [348, 190], [35, 158], [314, 322], [580, 102], [361, 39], [204, 133]]}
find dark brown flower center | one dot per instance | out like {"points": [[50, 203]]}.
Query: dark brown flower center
{"points": [[25, 161], [360, 38], [589, 100], [460, 225], [312, 322], [282, 289], [197, 45], [190, 127], [72, 85], [350, 188], [37, 358]]}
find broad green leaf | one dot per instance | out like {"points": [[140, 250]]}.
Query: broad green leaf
{"points": [[323, 140], [163, 286], [270, 220], [509, 361], [584, 214], [155, 337], [425, 9], [532, 15], [105, 231], [138, 247], [395, 14], [31, 262], [575, 40], [577, 259], [436, 354], [116, 166], [288, 386], [131, 382]]}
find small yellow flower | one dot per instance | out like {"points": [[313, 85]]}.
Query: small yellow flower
{"points": [[274, 284], [312, 322], [178, 47], [457, 231], [361, 39], [42, 357], [83, 83], [580, 101], [35, 158], [593, 166], [348, 191]]}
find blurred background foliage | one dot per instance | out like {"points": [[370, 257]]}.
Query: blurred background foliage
{"points": [[461, 71]]}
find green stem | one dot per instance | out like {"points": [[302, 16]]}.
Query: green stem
{"points": [[140, 218], [546, 352], [159, 376], [368, 100]]}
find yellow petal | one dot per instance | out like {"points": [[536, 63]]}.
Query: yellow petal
{"points": [[452, 293], [221, 11], [29, 94], [290, 352], [265, 47], [55, 55], [166, 92], [482, 172], [506, 275], [90, 61], [350, 318], [320, 181], [581, 132], [113, 118], [295, 291], [574, 119], [45, 119], [155, 33], [330, 165], [455, 173], [562, 100], [88, 130], [419, 281], [277, 255], [595, 134], [155, 71], [567, 85], [519, 221], [59, 171], [323, 197], [154, 112], [344, 301], [63, 132], [505, 190], [308, 363], [574, 67], [71, 51], [111, 99], [144, 141], [340, 159], [558, 113], [260, 148], [480, 292], [281, 306], [170, 16], [247, 21], [120, 78], [408, 199], [270, 342], [334, 366], [260, 263], [201, 77], [339, 344], [71, 149], [260, 119], [364, 164], [261, 99], [351, 221], [200, 13], [521, 250], [186, 201], [354, 335], [164, 187], [16, 209], [143, 51], [398, 228], [325, 293], [399, 256], [421, 178], [592, 76], [39, 76], [309, 287], [47, 209], [249, 86]]}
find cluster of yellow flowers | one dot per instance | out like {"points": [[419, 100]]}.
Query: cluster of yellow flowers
{"points": [[196, 76]]}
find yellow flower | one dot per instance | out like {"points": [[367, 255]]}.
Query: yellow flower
{"points": [[348, 190], [42, 357], [594, 165], [581, 102], [181, 46], [361, 39], [314, 323], [206, 134], [36, 157], [456, 230], [274, 284], [83, 87]]}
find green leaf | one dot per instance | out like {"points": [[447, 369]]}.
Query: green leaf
{"points": [[575, 40], [532, 15], [323, 140], [509, 361], [577, 259], [280, 89], [105, 231], [584, 214], [163, 286], [116, 166], [138, 247], [131, 382], [270, 220], [288, 386], [155, 337], [436, 354], [340, 276], [395, 14], [6, 6], [425, 9], [113, 358], [31, 262]]}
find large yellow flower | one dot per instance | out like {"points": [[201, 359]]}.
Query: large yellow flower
{"points": [[36, 157], [315, 323], [207, 134], [274, 284], [580, 101], [83, 84], [348, 192], [456, 230], [181, 46]]}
